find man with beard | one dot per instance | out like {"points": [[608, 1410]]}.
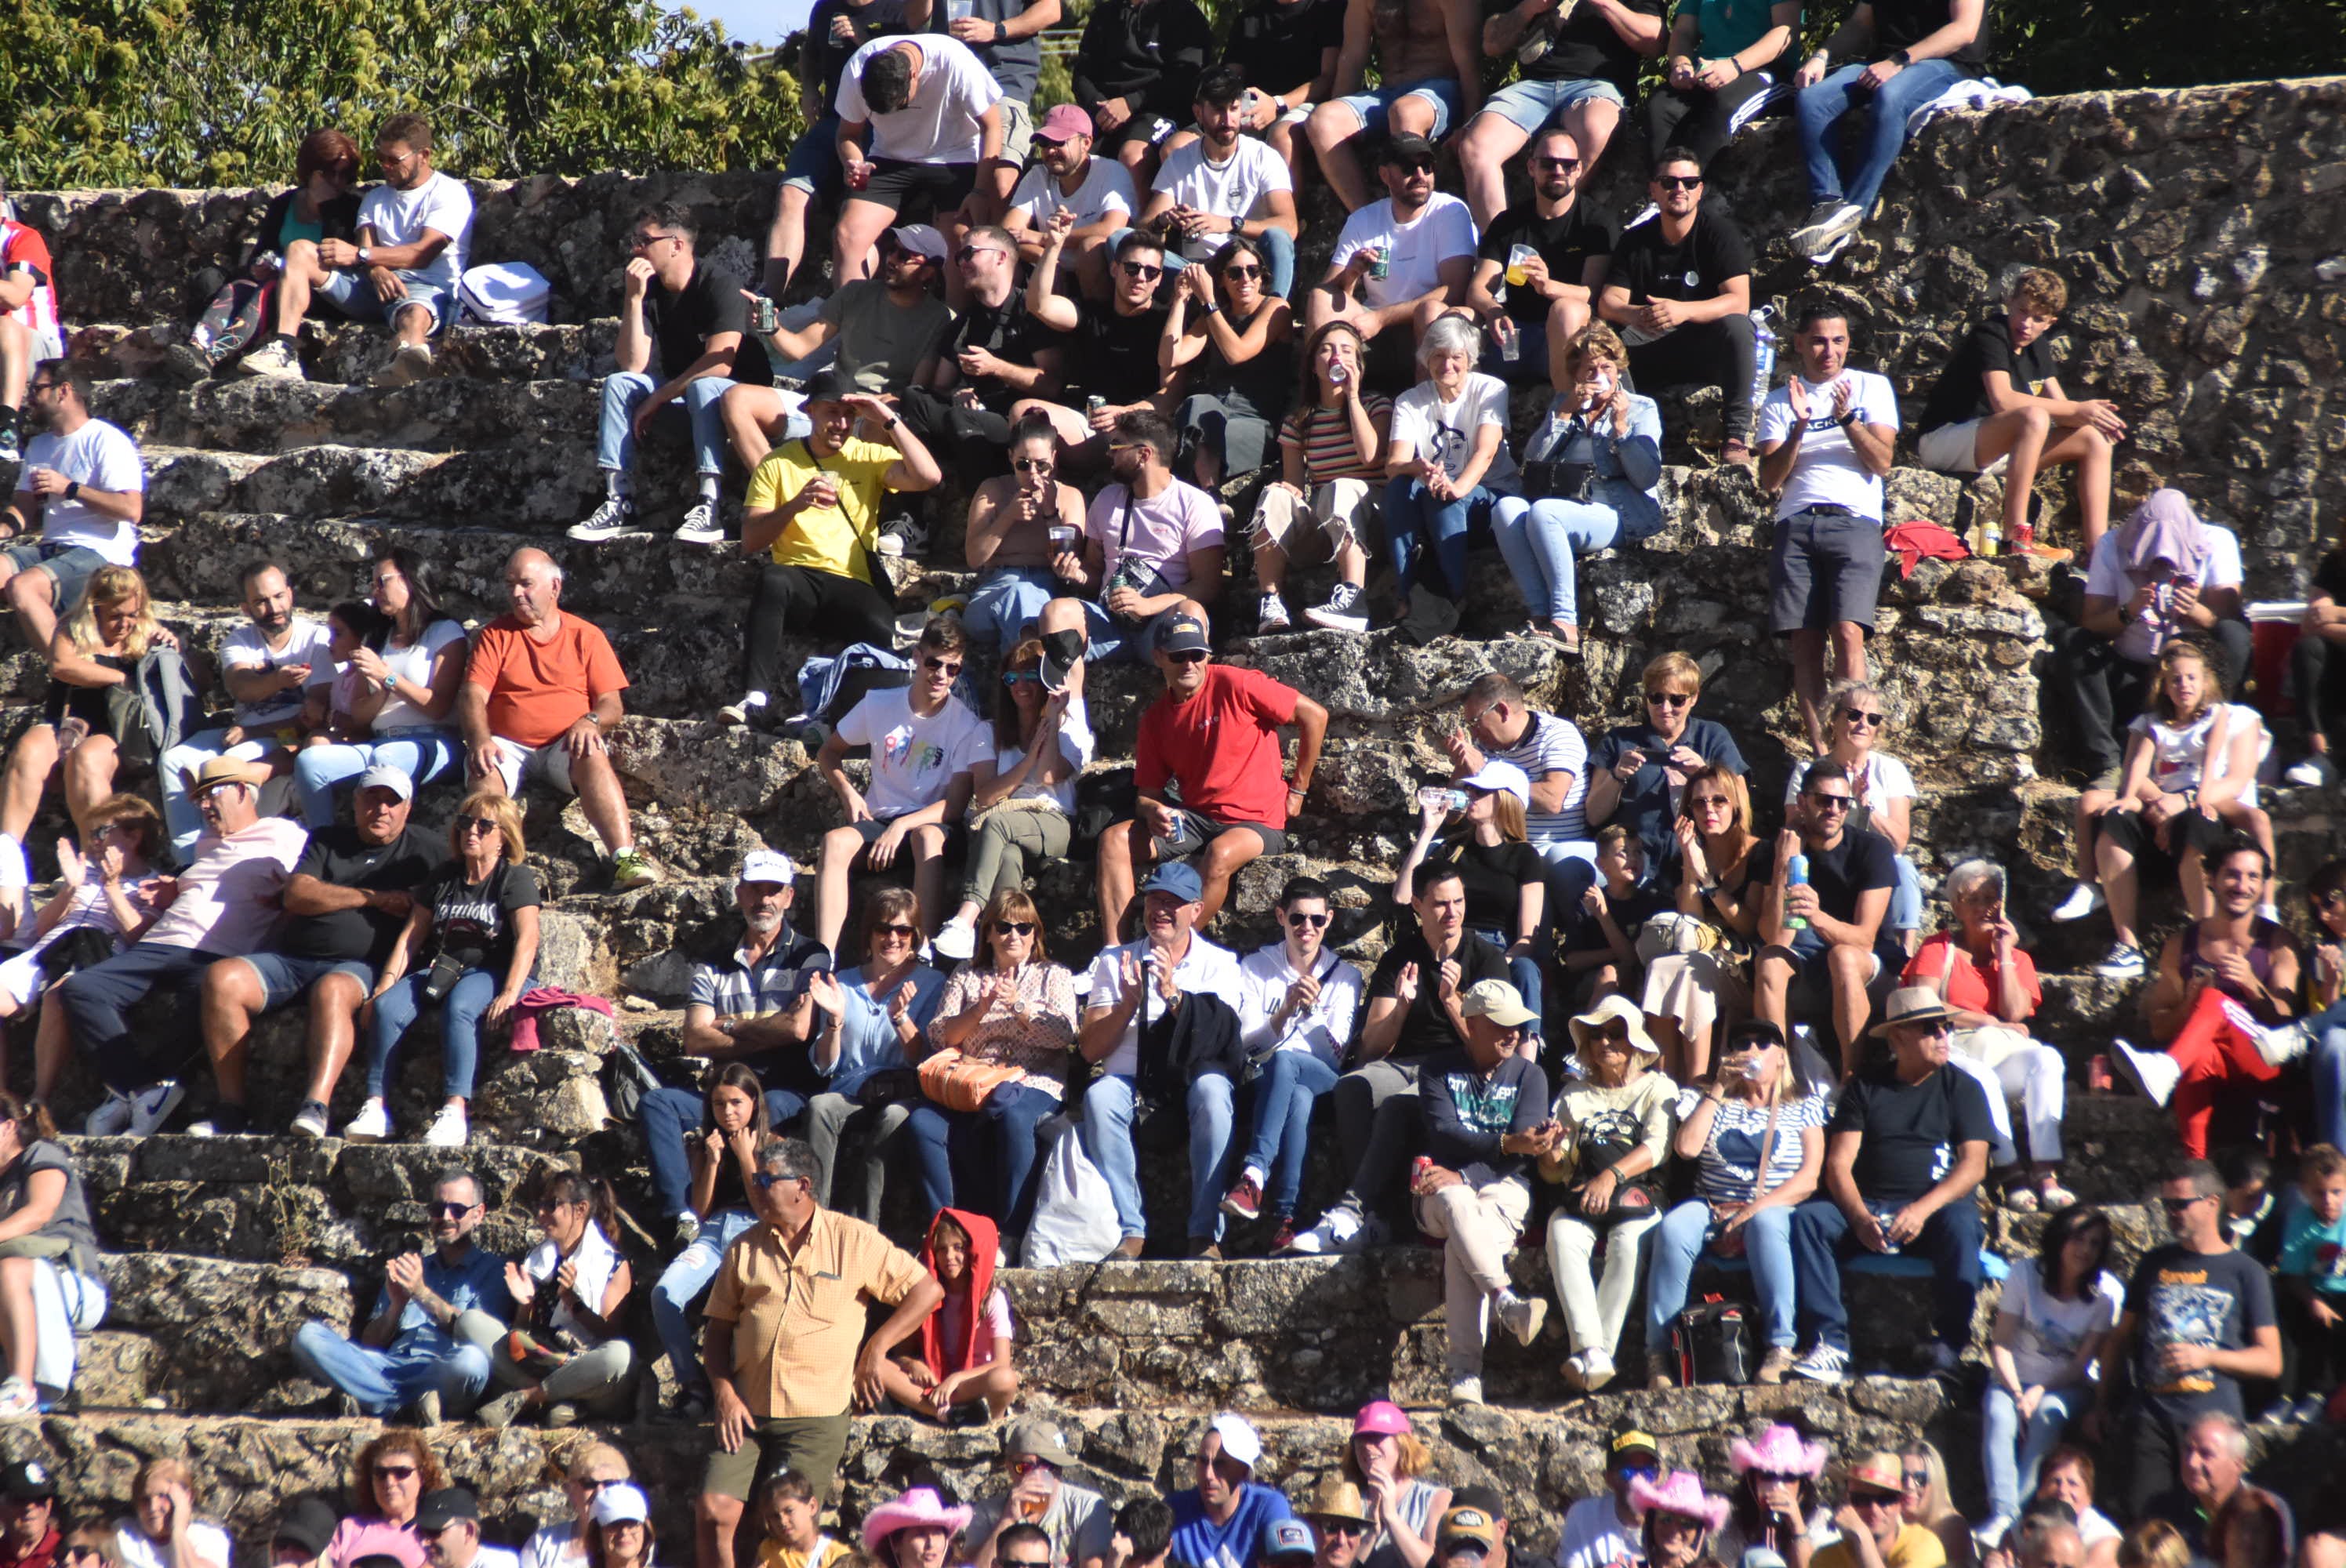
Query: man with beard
{"points": [[1067, 178], [1152, 550], [83, 486], [269, 666], [1399, 262], [1560, 248], [1113, 346]]}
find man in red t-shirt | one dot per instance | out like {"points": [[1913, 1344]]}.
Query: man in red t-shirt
{"points": [[541, 693], [29, 331], [1214, 736]]}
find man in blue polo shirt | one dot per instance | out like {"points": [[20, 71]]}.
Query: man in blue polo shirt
{"points": [[1218, 1522]]}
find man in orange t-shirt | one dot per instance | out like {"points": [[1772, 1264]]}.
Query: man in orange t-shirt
{"points": [[541, 693]]}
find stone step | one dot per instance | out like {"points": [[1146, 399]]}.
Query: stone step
{"points": [[267, 415], [339, 354], [207, 1334]]}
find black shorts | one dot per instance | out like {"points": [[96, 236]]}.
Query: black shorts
{"points": [[2189, 836], [1196, 831], [1826, 568], [870, 829], [917, 188]]}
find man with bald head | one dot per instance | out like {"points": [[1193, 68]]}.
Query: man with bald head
{"points": [[542, 692]]}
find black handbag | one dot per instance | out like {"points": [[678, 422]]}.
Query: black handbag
{"points": [[1598, 1147], [1710, 1341]]}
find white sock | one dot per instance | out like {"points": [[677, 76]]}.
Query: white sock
{"points": [[618, 484], [709, 483], [1255, 1175], [1504, 1297], [754, 699]]}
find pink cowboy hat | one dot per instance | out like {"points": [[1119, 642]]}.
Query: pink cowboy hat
{"points": [[1679, 1492], [917, 1508], [1779, 1451]]}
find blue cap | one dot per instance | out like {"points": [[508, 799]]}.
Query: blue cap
{"points": [[1179, 877], [1287, 1538]]}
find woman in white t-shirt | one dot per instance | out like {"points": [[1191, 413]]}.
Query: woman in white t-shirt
{"points": [[161, 1530], [407, 688], [1856, 714], [2050, 1326], [1447, 463], [1021, 803]]}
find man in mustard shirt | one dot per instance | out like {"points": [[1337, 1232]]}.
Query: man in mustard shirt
{"points": [[785, 1319], [813, 506]]}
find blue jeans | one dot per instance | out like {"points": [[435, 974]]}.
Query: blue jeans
{"points": [[1415, 521], [1107, 1133], [422, 754], [615, 431], [669, 1115], [1523, 973], [419, 1362], [1289, 1082], [1905, 897], [1821, 107], [1530, 106], [1541, 538], [1374, 105], [1006, 599], [1213, 1118], [1822, 1238], [682, 1283], [2327, 1028], [996, 1140], [2013, 1456], [1278, 254], [97, 1003], [1680, 1240]]}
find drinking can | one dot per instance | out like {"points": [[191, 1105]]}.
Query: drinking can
{"points": [[1380, 261], [1797, 876], [1763, 356]]}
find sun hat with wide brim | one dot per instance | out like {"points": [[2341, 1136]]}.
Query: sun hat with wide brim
{"points": [[1615, 1009], [1910, 1004], [917, 1509]]}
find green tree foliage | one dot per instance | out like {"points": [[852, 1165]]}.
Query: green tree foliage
{"points": [[220, 92]]}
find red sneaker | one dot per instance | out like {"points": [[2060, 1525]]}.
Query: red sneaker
{"points": [[1244, 1201], [1284, 1236]]}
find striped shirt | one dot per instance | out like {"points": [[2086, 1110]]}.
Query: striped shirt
{"points": [[1552, 744], [1324, 436], [1725, 1171]]}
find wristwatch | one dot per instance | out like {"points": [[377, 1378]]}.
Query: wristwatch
{"points": [[1901, 57], [73, 489], [366, 255]]}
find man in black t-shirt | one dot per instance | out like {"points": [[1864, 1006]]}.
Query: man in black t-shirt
{"points": [[1905, 1153], [1823, 932], [1998, 407], [1896, 56], [681, 321], [995, 355], [1113, 353], [2199, 1322], [1565, 249], [1679, 292], [1413, 1013], [1287, 50], [348, 901], [1577, 67]]}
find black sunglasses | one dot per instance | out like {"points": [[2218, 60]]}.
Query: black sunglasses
{"points": [[2179, 1205], [1014, 928], [1667, 698], [1299, 920], [1832, 802], [1678, 181], [450, 1210], [1415, 165], [1860, 719], [1242, 273], [968, 251], [1140, 269], [1189, 656], [1556, 162], [1032, 464], [903, 930], [949, 666], [475, 825]]}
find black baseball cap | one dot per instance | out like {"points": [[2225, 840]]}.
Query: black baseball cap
{"points": [[1406, 149], [443, 1508], [829, 386], [308, 1524], [28, 1480]]}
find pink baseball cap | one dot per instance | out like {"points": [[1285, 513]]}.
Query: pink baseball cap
{"points": [[1380, 1416], [1064, 121]]}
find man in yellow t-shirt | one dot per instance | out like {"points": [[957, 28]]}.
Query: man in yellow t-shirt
{"points": [[1873, 1524], [813, 508]]}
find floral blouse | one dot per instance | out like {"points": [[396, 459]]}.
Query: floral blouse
{"points": [[1032, 1028]]}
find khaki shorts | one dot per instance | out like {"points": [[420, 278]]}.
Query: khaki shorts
{"points": [[1017, 131]]}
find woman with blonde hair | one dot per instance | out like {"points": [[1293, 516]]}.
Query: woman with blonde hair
{"points": [[593, 1468], [473, 930], [97, 649], [1855, 715], [1697, 977], [2153, 1544], [161, 1530], [1592, 479], [1388, 1460], [1506, 885], [1927, 1502], [1638, 772]]}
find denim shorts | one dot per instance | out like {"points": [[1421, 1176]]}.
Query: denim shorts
{"points": [[67, 567], [354, 295], [1370, 105], [284, 977], [1532, 106], [813, 163]]}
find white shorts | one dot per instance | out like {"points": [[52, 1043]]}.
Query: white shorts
{"points": [[551, 762], [1951, 449]]}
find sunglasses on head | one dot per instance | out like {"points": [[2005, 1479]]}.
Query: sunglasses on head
{"points": [[1140, 269], [1299, 921], [1014, 928], [1678, 181], [1667, 699], [1860, 719]]}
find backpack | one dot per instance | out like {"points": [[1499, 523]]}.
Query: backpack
{"points": [[504, 294], [232, 319], [632, 1079], [1712, 1343]]}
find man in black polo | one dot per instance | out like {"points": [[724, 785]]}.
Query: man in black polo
{"points": [[1680, 293]]}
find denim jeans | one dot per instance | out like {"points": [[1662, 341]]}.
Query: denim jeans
{"points": [[1823, 106], [419, 1362], [2328, 1030], [1006, 599], [994, 1143], [1107, 1133], [1906, 896], [1283, 1095], [1540, 540], [1277, 256], [1822, 1238], [459, 1029], [1415, 521], [421, 753], [2012, 1455], [667, 1116], [682, 1283], [97, 1003], [1767, 1246], [1213, 1116], [614, 431], [1523, 973]]}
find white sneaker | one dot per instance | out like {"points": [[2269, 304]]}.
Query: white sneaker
{"points": [[2083, 898], [153, 1105], [1595, 1367], [2312, 773], [701, 525], [615, 516], [1523, 1317], [2154, 1072], [409, 362], [449, 1130], [370, 1125], [2123, 961], [309, 1121], [17, 1401], [1467, 1391], [1272, 615], [1340, 1231], [956, 938], [739, 713], [1823, 1364], [274, 358], [108, 1120]]}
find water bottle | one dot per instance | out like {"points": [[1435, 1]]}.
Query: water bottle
{"points": [[1763, 353], [1797, 877]]}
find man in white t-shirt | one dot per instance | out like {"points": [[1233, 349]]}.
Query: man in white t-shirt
{"points": [[1152, 550], [1402, 261], [1224, 183], [83, 485], [923, 742], [1066, 174], [917, 116], [1826, 438], [415, 230], [269, 665]]}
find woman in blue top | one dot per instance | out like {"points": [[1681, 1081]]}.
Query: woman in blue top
{"points": [[1637, 774], [1592, 478], [875, 1016], [1725, 69]]}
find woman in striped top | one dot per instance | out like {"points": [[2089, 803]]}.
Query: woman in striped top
{"points": [[1331, 451]]}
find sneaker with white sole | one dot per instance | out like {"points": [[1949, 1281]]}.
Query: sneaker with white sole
{"points": [[1270, 615], [309, 1121], [1346, 609], [370, 1125], [1522, 1317], [1823, 1364], [2313, 773], [632, 868], [1466, 1390], [410, 362], [449, 1129], [1595, 1367], [1341, 1230], [2154, 1072], [956, 938], [2083, 898], [1832, 248], [615, 516], [2123, 961], [274, 358], [17, 1401], [1828, 221], [108, 1120], [151, 1106], [701, 525]]}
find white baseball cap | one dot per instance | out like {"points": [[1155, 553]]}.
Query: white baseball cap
{"points": [[767, 866]]}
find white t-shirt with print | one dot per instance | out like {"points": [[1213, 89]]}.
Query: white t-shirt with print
{"points": [[914, 757], [1106, 188], [1828, 471], [2106, 577], [2051, 1330], [1228, 190], [1446, 430], [1442, 231], [442, 203], [939, 125], [98, 456]]}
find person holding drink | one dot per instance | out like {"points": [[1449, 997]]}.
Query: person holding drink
{"points": [[1018, 523], [1388, 1462], [1550, 253], [1331, 462]]}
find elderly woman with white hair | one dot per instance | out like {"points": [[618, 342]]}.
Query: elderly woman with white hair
{"points": [[1616, 1121], [1446, 464], [1978, 968]]}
